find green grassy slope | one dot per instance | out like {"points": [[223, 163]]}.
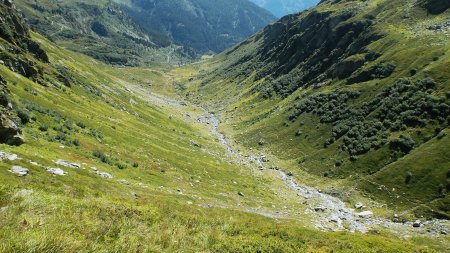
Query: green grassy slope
{"points": [[166, 194], [354, 93]]}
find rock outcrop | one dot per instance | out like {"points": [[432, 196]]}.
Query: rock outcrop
{"points": [[10, 133]]}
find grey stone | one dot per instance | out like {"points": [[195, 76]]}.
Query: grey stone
{"points": [[417, 224], [103, 174], [358, 205], [365, 214], [68, 164], [20, 171], [57, 171], [11, 157], [9, 132]]}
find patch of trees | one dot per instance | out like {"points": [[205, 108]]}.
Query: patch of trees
{"points": [[406, 104]]}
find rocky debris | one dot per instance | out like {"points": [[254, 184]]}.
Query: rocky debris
{"points": [[36, 164], [195, 144], [241, 194], [440, 27], [134, 195], [320, 209], [328, 208], [20, 171], [10, 157], [358, 205], [57, 171], [68, 164], [10, 133], [417, 224], [123, 181], [4, 208], [104, 175], [261, 142], [264, 159], [365, 214]]}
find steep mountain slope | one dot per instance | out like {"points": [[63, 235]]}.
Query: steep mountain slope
{"points": [[282, 8], [353, 92], [100, 29], [204, 25]]}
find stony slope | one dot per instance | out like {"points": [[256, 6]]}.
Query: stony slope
{"points": [[351, 92]]}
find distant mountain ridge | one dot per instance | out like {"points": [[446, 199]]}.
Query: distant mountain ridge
{"points": [[142, 32], [281, 8], [204, 25]]}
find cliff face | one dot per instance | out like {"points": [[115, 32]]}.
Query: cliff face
{"points": [[18, 52]]}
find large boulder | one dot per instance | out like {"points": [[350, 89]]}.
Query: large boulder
{"points": [[9, 132]]}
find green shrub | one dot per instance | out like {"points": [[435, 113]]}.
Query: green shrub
{"points": [[121, 166], [440, 135], [4, 99], [60, 136], [404, 144], [76, 142], [24, 116], [103, 158], [43, 128], [81, 125], [408, 177]]}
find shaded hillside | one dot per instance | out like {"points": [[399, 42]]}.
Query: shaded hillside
{"points": [[349, 90], [204, 25], [282, 8], [100, 29]]}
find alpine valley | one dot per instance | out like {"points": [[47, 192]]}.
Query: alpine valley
{"points": [[211, 126]]}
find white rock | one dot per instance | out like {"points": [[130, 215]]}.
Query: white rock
{"points": [[11, 157], [20, 171], [36, 164], [358, 205], [68, 164], [57, 171], [365, 214], [123, 181], [103, 174]]}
